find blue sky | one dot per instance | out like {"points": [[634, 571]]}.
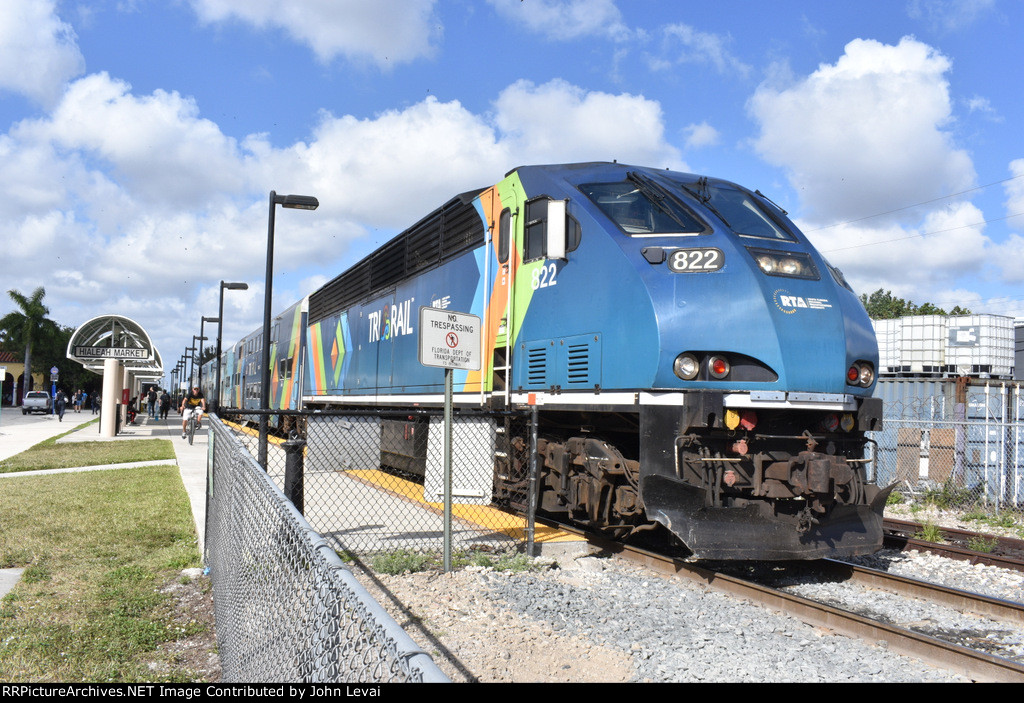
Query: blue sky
{"points": [[139, 139]]}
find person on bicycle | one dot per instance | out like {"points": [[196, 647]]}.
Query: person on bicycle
{"points": [[194, 402]]}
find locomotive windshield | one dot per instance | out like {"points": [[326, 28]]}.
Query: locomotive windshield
{"points": [[640, 208], [738, 209]]}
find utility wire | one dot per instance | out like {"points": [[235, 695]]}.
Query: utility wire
{"points": [[909, 207], [920, 234]]}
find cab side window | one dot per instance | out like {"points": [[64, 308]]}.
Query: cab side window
{"points": [[504, 235], [535, 230]]}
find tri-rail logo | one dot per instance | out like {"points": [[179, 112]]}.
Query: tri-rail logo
{"points": [[391, 321], [789, 304]]}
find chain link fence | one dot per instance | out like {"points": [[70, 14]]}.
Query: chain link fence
{"points": [[372, 482], [955, 449], [287, 609]]}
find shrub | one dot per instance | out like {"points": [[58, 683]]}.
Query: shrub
{"points": [[929, 532]]}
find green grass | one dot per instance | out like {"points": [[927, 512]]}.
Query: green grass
{"points": [[97, 549], [402, 561], [51, 455], [930, 532], [998, 519], [405, 561], [949, 496], [982, 544]]}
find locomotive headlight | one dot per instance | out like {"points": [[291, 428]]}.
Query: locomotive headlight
{"points": [[784, 263], [862, 373], [790, 267], [867, 375], [718, 367], [686, 366]]}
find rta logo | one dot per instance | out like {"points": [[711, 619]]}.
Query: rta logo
{"points": [[788, 303]]}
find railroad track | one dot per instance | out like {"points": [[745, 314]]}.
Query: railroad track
{"points": [[968, 662], [1006, 552]]}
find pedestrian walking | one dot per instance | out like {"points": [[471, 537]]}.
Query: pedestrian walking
{"points": [[61, 403], [165, 404], [151, 402]]}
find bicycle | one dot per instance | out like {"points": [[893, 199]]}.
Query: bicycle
{"points": [[190, 427]]}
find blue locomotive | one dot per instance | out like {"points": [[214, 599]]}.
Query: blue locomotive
{"points": [[696, 363]]}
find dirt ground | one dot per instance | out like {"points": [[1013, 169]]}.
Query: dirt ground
{"points": [[472, 640], [193, 658], [448, 615]]}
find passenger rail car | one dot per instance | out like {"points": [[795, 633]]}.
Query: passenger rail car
{"points": [[695, 361], [242, 366]]}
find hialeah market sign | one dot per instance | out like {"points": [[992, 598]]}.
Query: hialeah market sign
{"points": [[111, 353]]}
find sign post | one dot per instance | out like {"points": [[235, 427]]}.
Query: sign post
{"points": [[53, 388], [450, 340]]}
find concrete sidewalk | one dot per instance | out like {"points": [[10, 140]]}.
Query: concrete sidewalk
{"points": [[19, 432]]}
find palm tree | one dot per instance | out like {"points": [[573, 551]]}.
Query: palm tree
{"points": [[25, 327]]}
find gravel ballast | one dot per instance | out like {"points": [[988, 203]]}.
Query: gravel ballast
{"points": [[596, 619]]}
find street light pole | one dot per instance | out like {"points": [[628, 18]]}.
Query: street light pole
{"points": [[181, 377], [202, 322], [298, 202], [189, 356], [193, 377], [220, 330]]}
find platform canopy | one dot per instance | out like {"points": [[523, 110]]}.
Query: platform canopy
{"points": [[115, 337]]}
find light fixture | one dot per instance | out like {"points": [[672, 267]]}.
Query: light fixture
{"points": [[298, 202]]}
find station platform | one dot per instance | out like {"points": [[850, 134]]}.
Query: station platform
{"points": [[20, 432], [365, 509]]}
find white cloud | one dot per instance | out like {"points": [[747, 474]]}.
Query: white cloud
{"points": [[131, 202], [385, 171], [566, 19], [701, 135], [866, 134], [981, 105], [921, 261], [38, 52], [948, 15], [32, 184], [386, 32], [1015, 193], [158, 146], [684, 44], [1009, 255], [558, 122]]}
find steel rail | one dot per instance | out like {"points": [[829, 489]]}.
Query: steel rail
{"points": [[972, 664], [963, 601], [900, 535], [975, 665]]}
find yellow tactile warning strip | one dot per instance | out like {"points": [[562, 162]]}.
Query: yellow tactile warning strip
{"points": [[245, 429], [484, 516]]}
